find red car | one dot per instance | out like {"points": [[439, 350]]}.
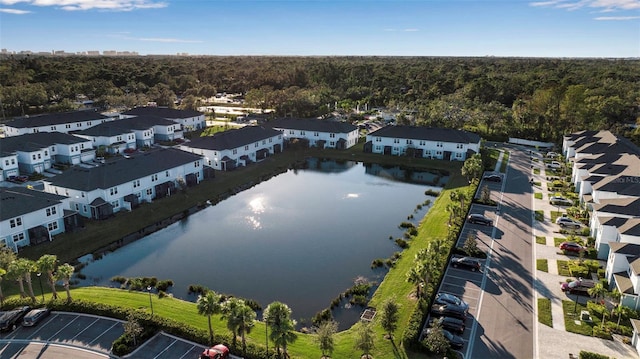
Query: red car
{"points": [[216, 352], [571, 247]]}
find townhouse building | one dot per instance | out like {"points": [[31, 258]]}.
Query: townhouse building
{"points": [[230, 149], [423, 142], [64, 122], [317, 133], [123, 184], [8, 164], [189, 120], [29, 216], [110, 137], [37, 152]]}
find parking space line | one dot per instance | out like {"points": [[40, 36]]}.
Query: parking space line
{"points": [[61, 329], [42, 325], [188, 351], [165, 349], [98, 337], [87, 327], [474, 281]]}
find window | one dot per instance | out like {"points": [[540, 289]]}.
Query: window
{"points": [[264, 142], [51, 211], [84, 208], [316, 134], [197, 164], [52, 226], [270, 139], [302, 133], [438, 144], [77, 207], [82, 193], [18, 237], [332, 144], [119, 138], [13, 161], [15, 222], [235, 151], [6, 162], [46, 153], [292, 132], [149, 191], [378, 139], [33, 157], [89, 123], [246, 148], [332, 135], [53, 128], [115, 204], [154, 178], [409, 142], [459, 145], [166, 173], [422, 142], [67, 126], [396, 140], [39, 156], [136, 183], [114, 190], [256, 145]]}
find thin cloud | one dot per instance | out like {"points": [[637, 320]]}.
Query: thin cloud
{"points": [[83, 5], [14, 11], [161, 39], [616, 18], [602, 5], [411, 30]]}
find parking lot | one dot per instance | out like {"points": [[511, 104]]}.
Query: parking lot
{"points": [[62, 335]]}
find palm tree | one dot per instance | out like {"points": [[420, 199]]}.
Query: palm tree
{"points": [[47, 264], [21, 270], [597, 291], [229, 309], [415, 276], [246, 320], [277, 316], [209, 304], [14, 272], [64, 273]]}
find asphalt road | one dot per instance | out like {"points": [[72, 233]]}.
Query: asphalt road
{"points": [[504, 326]]}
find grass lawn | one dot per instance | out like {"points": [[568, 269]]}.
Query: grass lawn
{"points": [[505, 161], [555, 215], [571, 314], [537, 183], [558, 240], [536, 171], [563, 268], [542, 265], [537, 195], [539, 215], [541, 240], [98, 234], [544, 312]]}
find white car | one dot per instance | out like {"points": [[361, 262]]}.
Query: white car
{"points": [[568, 222], [561, 201], [552, 154], [554, 165]]}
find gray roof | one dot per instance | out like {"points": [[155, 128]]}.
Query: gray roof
{"points": [[107, 129], [37, 141], [622, 185], [144, 121], [427, 133], [623, 282], [122, 171], [311, 124], [233, 138], [164, 112], [56, 119], [18, 201], [628, 249], [624, 206], [580, 134]]}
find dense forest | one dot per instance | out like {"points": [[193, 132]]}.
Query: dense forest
{"points": [[497, 97]]}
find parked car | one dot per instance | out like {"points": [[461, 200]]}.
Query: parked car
{"points": [[446, 298], [560, 201], [448, 310], [554, 165], [492, 178], [579, 286], [455, 341], [216, 352], [35, 316], [11, 319], [552, 154], [469, 263], [451, 324], [18, 179], [479, 219], [568, 222], [571, 247]]}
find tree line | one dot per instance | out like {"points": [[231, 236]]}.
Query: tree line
{"points": [[537, 98]]}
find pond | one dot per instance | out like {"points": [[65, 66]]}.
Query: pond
{"points": [[300, 238]]}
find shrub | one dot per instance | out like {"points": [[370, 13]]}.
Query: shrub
{"points": [[358, 300], [431, 192], [197, 289], [589, 355], [322, 316], [602, 333], [119, 279], [163, 285], [411, 333], [377, 263], [407, 225], [402, 243]]}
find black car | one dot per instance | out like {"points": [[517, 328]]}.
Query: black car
{"points": [[469, 263], [451, 324], [9, 320], [492, 178], [448, 310], [479, 219], [35, 316]]}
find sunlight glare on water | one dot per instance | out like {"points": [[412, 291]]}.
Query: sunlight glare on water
{"points": [[257, 207]]}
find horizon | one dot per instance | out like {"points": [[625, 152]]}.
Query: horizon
{"points": [[321, 28]]}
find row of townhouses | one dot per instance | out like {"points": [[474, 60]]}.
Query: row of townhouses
{"points": [[606, 174], [98, 190]]}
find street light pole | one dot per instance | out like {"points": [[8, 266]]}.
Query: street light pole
{"points": [[150, 302], [41, 290]]}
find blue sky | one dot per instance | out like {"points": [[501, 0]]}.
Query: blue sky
{"points": [[537, 28]]}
